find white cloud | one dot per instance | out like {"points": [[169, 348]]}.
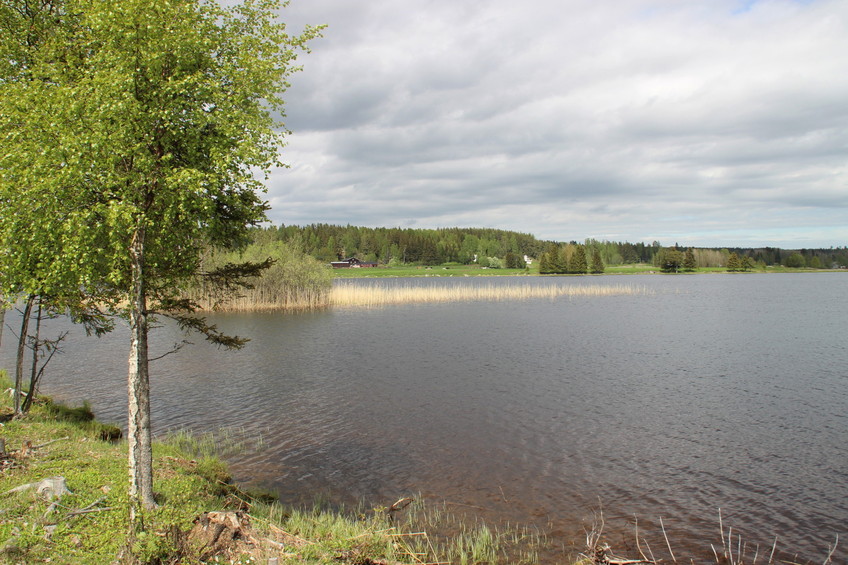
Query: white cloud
{"points": [[630, 119]]}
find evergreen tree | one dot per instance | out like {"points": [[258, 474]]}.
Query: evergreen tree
{"points": [[577, 263], [565, 253], [544, 264], [733, 263], [514, 261], [597, 263], [689, 262], [552, 261]]}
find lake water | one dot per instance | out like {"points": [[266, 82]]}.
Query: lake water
{"points": [[708, 392]]}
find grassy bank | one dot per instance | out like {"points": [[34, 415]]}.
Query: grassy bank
{"points": [[87, 519]]}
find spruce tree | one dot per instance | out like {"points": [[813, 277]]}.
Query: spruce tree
{"points": [[577, 263], [733, 263], [689, 262], [597, 263], [554, 260]]}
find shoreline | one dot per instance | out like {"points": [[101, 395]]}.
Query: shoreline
{"points": [[192, 484]]}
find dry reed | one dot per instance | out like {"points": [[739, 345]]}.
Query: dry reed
{"points": [[351, 295], [258, 301], [347, 295]]}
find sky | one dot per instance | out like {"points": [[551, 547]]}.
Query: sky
{"points": [[711, 123]]}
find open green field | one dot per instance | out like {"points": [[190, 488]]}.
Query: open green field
{"points": [[420, 271]]}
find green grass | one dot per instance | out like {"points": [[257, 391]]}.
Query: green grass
{"points": [[96, 474]]}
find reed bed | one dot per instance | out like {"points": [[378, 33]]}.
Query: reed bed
{"points": [[352, 295], [260, 301]]}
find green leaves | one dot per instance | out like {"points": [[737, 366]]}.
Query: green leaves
{"points": [[134, 113]]}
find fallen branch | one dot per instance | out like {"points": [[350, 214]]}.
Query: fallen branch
{"points": [[90, 508], [49, 442], [89, 511]]}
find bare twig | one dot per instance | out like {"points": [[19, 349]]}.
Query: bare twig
{"points": [[51, 508], [666, 541], [651, 553], [832, 550], [88, 508], [89, 511], [177, 346]]}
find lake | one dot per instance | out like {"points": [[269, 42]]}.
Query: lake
{"points": [[707, 392]]}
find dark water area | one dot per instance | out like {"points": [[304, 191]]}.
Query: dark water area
{"points": [[710, 392]]}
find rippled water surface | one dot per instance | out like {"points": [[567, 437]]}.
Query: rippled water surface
{"points": [[711, 391]]}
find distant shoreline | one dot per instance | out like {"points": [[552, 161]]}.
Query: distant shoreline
{"points": [[476, 271]]}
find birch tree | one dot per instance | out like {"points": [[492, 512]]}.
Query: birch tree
{"points": [[139, 134]]}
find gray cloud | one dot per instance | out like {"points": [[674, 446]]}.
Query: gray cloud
{"points": [[710, 123]]}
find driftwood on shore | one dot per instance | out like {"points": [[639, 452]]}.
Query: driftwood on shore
{"points": [[50, 488]]}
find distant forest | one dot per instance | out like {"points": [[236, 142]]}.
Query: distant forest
{"points": [[501, 248]]}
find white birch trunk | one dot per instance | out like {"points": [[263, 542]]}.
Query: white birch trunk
{"points": [[138, 388], [19, 360]]}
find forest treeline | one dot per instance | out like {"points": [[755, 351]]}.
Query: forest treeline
{"points": [[501, 248]]}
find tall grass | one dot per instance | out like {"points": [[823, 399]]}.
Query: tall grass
{"points": [[351, 295], [420, 533], [262, 300], [294, 281]]}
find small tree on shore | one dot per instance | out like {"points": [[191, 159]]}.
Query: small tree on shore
{"points": [[134, 132], [733, 263], [669, 259]]}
